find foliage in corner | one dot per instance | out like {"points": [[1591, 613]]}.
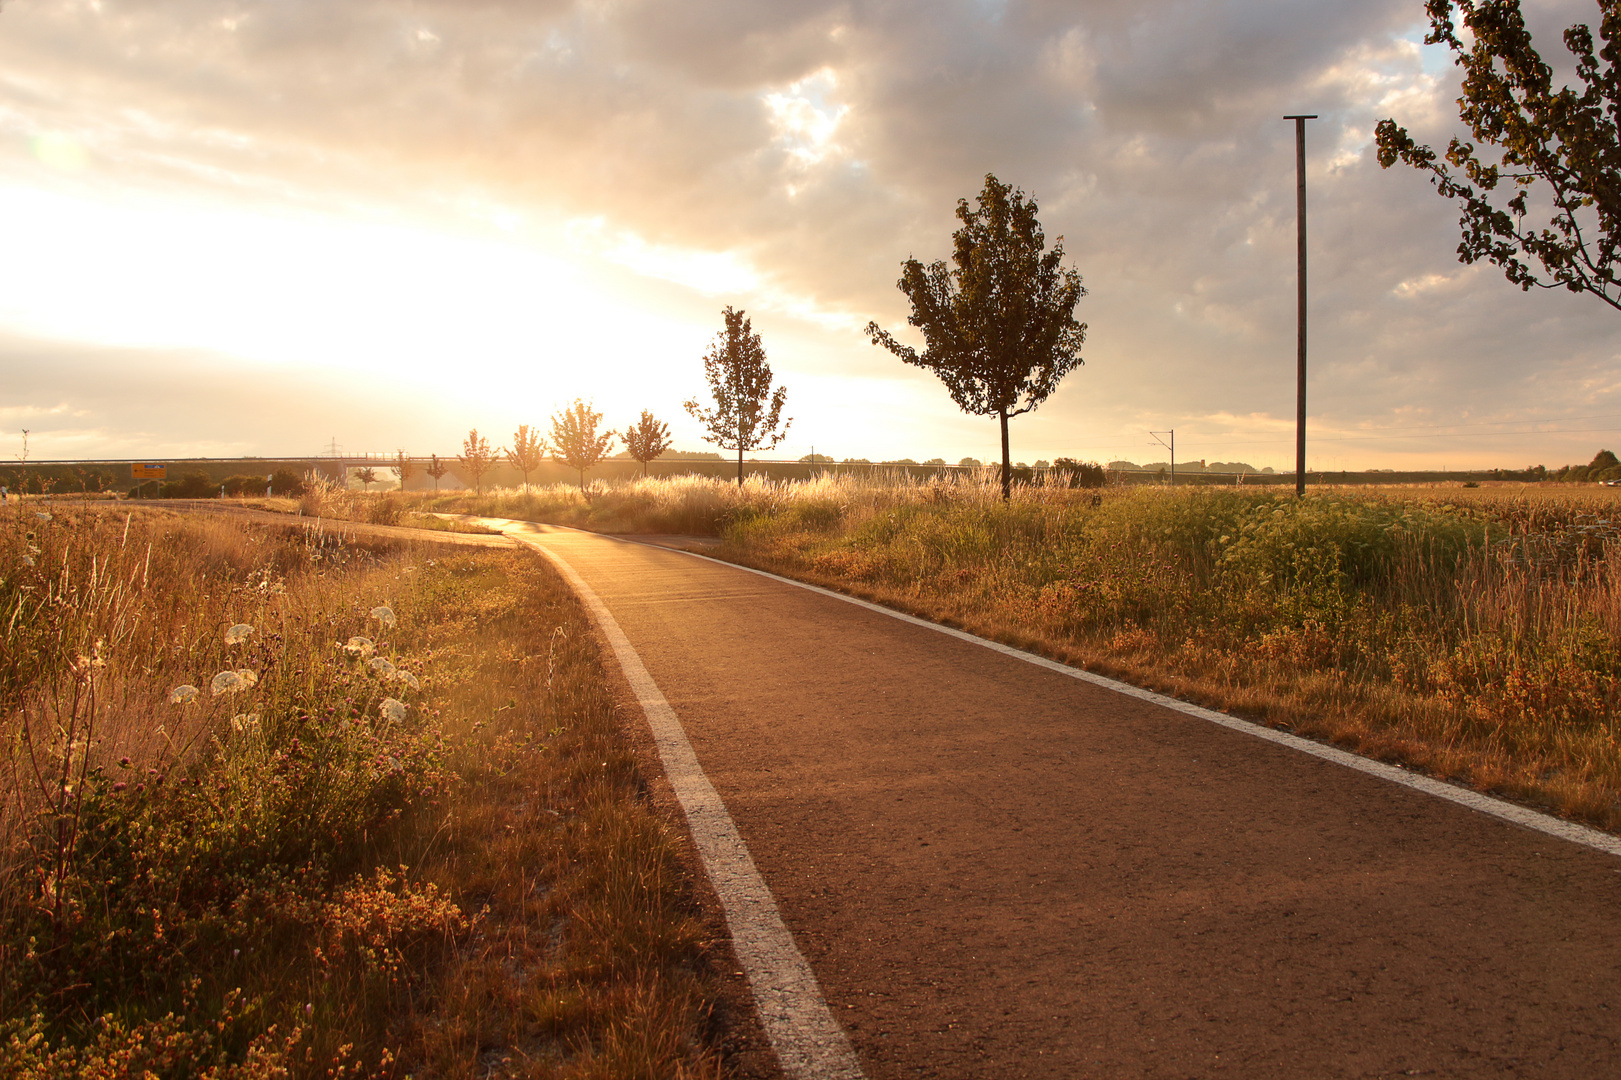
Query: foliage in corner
{"points": [[1560, 148]]}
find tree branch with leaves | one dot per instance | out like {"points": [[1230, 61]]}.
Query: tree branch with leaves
{"points": [[1557, 152]]}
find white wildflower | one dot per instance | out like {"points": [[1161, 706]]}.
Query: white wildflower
{"points": [[182, 694], [28, 560], [249, 678], [43, 515], [226, 682], [360, 648], [244, 720], [408, 679], [382, 666], [392, 709], [238, 633], [385, 615]]}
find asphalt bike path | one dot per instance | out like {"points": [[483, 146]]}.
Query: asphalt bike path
{"points": [[995, 870]]}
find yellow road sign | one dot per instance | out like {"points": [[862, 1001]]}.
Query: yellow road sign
{"points": [[142, 471]]}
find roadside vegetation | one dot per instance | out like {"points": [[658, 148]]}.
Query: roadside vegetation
{"points": [[277, 805], [1474, 633]]}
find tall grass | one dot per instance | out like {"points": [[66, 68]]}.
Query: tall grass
{"points": [[276, 804], [1476, 633]]}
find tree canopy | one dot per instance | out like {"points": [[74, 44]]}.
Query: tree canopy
{"points": [[647, 439], [528, 452], [476, 459], [748, 412], [1557, 152], [575, 440], [999, 326]]}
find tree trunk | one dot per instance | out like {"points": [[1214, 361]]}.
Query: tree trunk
{"points": [[740, 465], [1007, 468]]}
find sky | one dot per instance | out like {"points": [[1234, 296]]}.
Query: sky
{"points": [[267, 227]]}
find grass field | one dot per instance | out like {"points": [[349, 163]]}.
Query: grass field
{"points": [[272, 804], [1471, 632]]}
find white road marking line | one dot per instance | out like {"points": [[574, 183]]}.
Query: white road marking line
{"points": [[809, 1043], [1474, 800]]}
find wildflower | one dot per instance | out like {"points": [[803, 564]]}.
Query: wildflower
{"points": [[226, 682], [242, 721], [43, 515], [392, 709], [408, 679], [238, 633], [384, 615], [359, 648], [249, 678], [382, 666], [180, 695], [28, 560]]}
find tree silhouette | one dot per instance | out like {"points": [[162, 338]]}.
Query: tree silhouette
{"points": [[747, 410], [436, 470], [403, 467], [528, 452], [1000, 328], [367, 477], [575, 441], [476, 459], [1561, 147], [647, 439]]}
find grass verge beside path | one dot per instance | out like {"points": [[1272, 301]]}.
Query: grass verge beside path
{"points": [[1472, 633], [277, 804]]}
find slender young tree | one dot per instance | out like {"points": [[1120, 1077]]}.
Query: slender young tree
{"points": [[476, 459], [367, 477], [404, 468], [1000, 327], [436, 469], [647, 439], [1556, 153], [748, 412], [528, 452], [575, 441]]}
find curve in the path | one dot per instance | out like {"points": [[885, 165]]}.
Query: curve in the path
{"points": [[998, 869]]}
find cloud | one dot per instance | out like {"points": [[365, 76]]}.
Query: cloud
{"points": [[789, 156]]}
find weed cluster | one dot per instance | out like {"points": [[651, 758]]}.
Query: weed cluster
{"points": [[230, 762]]}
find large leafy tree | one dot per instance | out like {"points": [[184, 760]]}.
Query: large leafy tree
{"points": [[575, 440], [999, 326], [1556, 153], [647, 439], [748, 412]]}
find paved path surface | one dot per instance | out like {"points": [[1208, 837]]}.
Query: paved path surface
{"points": [[998, 871]]}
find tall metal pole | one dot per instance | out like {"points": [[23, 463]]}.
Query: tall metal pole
{"points": [[1300, 300]]}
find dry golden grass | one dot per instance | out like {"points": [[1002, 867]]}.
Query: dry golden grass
{"points": [[1472, 632], [294, 876]]}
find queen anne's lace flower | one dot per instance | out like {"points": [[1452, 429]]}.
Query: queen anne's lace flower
{"points": [[249, 678], [360, 648], [226, 682], [383, 666], [238, 633], [182, 694], [384, 615], [408, 679], [392, 709]]}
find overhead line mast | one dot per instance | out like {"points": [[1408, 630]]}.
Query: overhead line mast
{"points": [[1300, 256]]}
